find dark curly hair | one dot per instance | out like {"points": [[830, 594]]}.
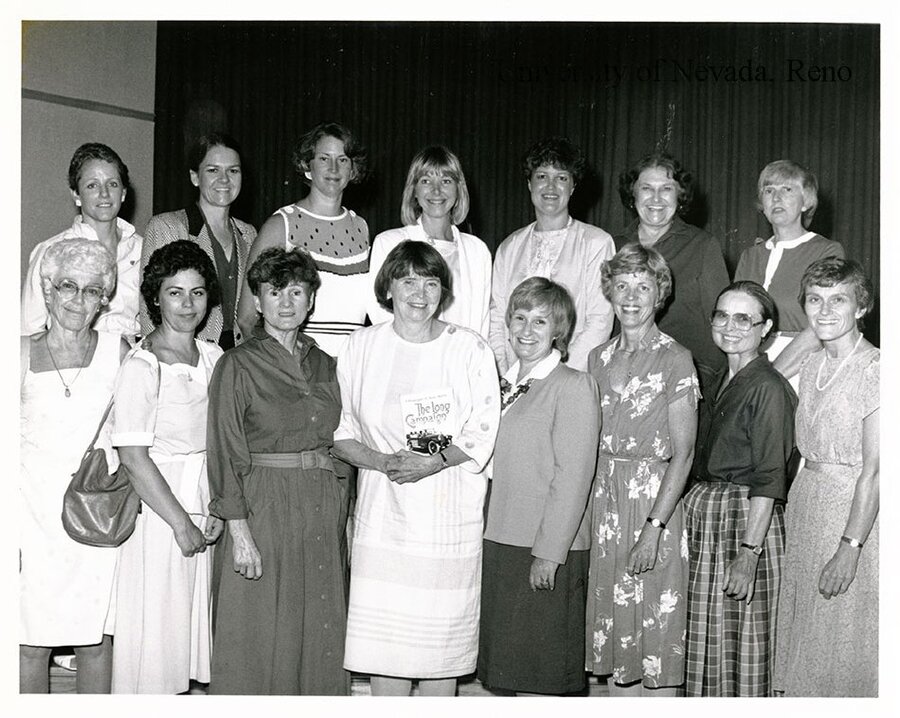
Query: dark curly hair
{"points": [[95, 151], [169, 260], [305, 148], [203, 144], [420, 259], [556, 152], [281, 267], [673, 169]]}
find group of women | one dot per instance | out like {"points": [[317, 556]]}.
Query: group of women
{"points": [[535, 500]]}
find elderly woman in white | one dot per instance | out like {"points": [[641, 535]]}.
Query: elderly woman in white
{"points": [[68, 374]]}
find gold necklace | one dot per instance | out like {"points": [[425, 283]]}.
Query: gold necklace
{"points": [[59, 373]]}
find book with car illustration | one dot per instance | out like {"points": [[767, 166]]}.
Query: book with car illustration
{"points": [[428, 421]]}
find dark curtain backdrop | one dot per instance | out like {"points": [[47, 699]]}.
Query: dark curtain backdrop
{"points": [[723, 98]]}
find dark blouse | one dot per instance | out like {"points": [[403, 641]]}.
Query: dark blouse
{"points": [[263, 399], [698, 275], [746, 434]]}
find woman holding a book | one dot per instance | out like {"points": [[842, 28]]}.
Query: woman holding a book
{"points": [[420, 411]]}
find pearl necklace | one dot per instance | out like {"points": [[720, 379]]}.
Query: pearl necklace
{"points": [[836, 371]]}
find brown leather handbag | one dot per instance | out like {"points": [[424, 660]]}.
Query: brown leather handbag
{"points": [[99, 508]]}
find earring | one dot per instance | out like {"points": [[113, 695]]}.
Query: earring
{"points": [[77, 202], [308, 175]]}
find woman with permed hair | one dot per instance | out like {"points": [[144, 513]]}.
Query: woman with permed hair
{"points": [[98, 181], [67, 379], [163, 632], [280, 573], [214, 168], [787, 194], [328, 157], [555, 246], [659, 191], [637, 592], [435, 201]]}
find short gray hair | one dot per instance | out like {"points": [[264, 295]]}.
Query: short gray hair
{"points": [[86, 255]]}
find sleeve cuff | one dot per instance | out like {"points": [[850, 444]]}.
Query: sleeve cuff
{"points": [[132, 438], [229, 508]]}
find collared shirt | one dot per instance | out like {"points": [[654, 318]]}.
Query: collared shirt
{"points": [[263, 399], [746, 434], [121, 314], [779, 266], [698, 275]]}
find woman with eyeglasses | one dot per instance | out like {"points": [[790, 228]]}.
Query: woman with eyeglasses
{"points": [[98, 181], [68, 374], [163, 632], [734, 511]]}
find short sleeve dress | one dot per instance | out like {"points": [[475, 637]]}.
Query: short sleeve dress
{"points": [[636, 624], [829, 647], [65, 588], [415, 577], [163, 632]]}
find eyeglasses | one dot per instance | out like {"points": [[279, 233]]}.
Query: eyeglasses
{"points": [[68, 290], [742, 322]]}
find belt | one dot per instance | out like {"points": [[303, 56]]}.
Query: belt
{"points": [[315, 459], [822, 465]]}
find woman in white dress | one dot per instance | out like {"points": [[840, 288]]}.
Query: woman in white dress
{"points": [[163, 632], [420, 412], [328, 157], [68, 373], [435, 201]]}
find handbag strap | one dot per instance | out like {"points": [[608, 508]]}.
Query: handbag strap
{"points": [[112, 399]]}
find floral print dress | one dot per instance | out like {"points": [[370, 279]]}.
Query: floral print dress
{"points": [[636, 624]]}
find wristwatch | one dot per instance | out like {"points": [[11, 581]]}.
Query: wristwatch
{"points": [[655, 523], [852, 541], [755, 549]]}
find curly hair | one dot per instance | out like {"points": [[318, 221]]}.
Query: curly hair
{"points": [[85, 255], [169, 260], [441, 161], [306, 147], [281, 267], [831, 271], [95, 151], [420, 259], [556, 152], [635, 258], [539, 292], [685, 181], [787, 171]]}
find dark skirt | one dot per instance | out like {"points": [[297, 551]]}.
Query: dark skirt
{"points": [[730, 645], [284, 633], [531, 641]]}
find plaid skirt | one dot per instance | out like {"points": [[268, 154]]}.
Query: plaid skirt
{"points": [[730, 645]]}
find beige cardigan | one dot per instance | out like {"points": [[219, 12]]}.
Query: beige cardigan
{"points": [[544, 463]]}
